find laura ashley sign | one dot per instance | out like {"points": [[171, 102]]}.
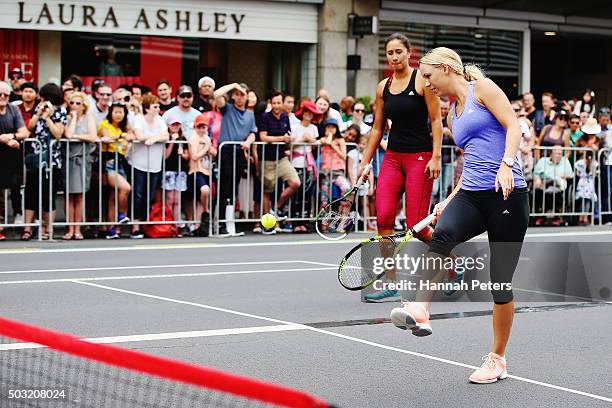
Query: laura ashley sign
{"points": [[105, 16], [261, 20]]}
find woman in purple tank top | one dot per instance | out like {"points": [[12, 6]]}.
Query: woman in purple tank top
{"points": [[491, 196]]}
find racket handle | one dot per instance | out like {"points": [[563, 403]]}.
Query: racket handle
{"points": [[366, 170], [422, 224]]}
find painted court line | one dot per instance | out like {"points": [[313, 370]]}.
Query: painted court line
{"points": [[168, 336], [350, 338], [171, 275], [111, 268], [213, 245]]}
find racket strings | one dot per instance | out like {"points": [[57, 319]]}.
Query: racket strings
{"points": [[365, 265], [341, 218]]}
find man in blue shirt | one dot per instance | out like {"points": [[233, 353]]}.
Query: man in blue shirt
{"points": [[237, 125]]}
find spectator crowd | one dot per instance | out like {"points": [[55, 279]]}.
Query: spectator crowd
{"points": [[124, 157]]}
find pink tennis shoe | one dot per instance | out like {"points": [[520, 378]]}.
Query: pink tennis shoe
{"points": [[492, 369], [413, 317]]}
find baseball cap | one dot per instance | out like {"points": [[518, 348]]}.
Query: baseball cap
{"points": [[16, 71], [184, 89], [201, 120], [172, 118]]}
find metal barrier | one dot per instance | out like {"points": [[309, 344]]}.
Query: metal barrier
{"points": [[244, 163], [241, 184], [86, 162], [35, 161], [558, 194], [604, 158]]}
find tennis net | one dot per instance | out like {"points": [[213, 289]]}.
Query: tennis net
{"points": [[46, 368]]}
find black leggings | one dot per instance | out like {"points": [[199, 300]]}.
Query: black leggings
{"points": [[470, 213]]}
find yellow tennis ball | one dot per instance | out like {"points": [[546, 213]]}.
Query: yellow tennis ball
{"points": [[268, 221]]}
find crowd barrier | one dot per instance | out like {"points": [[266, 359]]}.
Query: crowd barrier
{"points": [[604, 207], [240, 185]]}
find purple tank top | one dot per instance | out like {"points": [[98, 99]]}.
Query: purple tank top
{"points": [[483, 140]]}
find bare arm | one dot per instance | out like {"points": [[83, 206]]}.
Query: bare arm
{"points": [[435, 119], [220, 93]]}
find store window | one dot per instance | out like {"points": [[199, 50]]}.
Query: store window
{"points": [[496, 51], [124, 59]]}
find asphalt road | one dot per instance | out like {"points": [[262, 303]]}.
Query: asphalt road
{"points": [[240, 304]]}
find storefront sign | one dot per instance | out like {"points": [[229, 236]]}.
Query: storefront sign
{"points": [[271, 21]]}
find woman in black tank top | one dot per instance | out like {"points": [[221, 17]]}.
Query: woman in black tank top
{"points": [[413, 157]]}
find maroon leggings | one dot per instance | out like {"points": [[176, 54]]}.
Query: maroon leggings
{"points": [[399, 173]]}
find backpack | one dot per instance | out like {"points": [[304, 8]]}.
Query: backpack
{"points": [[160, 230]]}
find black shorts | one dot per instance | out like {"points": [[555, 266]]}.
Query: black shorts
{"points": [[470, 213]]}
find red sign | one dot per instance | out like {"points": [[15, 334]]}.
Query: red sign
{"points": [[19, 50]]}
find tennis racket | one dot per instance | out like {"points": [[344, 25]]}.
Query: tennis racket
{"points": [[357, 271], [338, 218]]}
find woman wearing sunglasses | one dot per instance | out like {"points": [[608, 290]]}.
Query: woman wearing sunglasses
{"points": [[81, 131]]}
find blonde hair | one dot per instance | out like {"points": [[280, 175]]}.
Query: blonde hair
{"points": [[448, 57], [83, 98]]}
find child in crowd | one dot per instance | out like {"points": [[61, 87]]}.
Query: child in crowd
{"points": [[303, 161], [198, 182], [367, 189], [586, 171], [176, 156], [333, 162]]}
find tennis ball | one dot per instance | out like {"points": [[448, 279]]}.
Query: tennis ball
{"points": [[268, 221]]}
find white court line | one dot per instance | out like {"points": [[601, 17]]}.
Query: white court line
{"points": [[171, 275], [111, 268], [167, 336], [206, 245], [342, 336]]}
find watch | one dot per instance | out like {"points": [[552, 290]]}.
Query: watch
{"points": [[508, 161]]}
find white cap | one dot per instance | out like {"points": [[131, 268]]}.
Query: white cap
{"points": [[205, 79]]}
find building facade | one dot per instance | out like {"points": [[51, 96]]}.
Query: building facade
{"points": [[265, 43], [302, 45]]}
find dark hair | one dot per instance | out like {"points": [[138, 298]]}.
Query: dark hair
{"points": [[52, 93], [95, 84], [135, 85], [244, 86], [29, 85], [572, 116], [76, 82], [124, 122], [145, 89], [126, 87], [398, 36], [335, 106], [274, 93], [147, 101], [162, 82], [357, 130], [288, 95]]}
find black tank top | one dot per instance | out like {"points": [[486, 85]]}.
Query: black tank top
{"points": [[408, 111]]}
